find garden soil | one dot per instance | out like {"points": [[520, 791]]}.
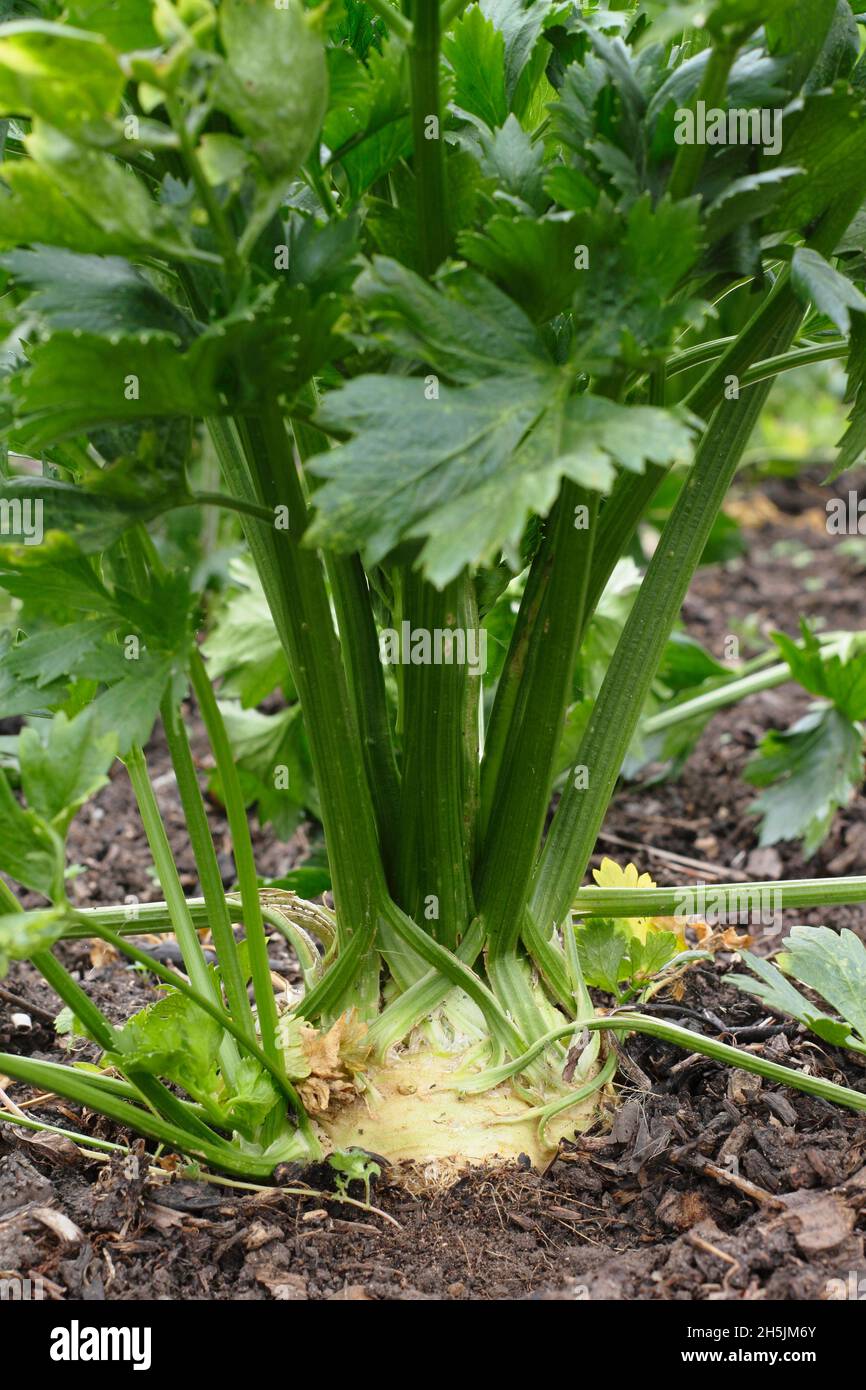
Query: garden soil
{"points": [[703, 1183]]}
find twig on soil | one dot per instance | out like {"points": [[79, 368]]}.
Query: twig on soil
{"points": [[36, 1010], [699, 866], [728, 1179]]}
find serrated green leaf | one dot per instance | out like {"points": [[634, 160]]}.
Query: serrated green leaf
{"points": [[809, 771], [465, 470], [274, 84], [475, 50], [174, 1039], [371, 131], [30, 851], [466, 329], [77, 381], [833, 964], [840, 677], [61, 773], [511, 157], [646, 958], [95, 294], [251, 1097], [44, 659], [602, 947], [814, 280], [131, 705]]}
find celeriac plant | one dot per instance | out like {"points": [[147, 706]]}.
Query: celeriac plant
{"points": [[445, 292]]}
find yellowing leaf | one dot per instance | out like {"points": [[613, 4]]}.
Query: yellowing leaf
{"points": [[612, 875]]}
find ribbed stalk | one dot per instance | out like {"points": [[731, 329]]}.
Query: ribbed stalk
{"points": [[366, 682], [439, 769], [523, 791], [508, 701], [263, 470]]}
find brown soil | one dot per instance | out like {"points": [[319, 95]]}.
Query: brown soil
{"points": [[705, 1184]]}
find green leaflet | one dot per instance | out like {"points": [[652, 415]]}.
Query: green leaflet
{"points": [[610, 955], [466, 478], [95, 294], [777, 992], [126, 24], [30, 851], [831, 292], [61, 773], [475, 51], [370, 131], [621, 281], [273, 761], [274, 85], [839, 679], [63, 75], [827, 140], [23, 934], [465, 328], [404, 475], [111, 201], [834, 965], [172, 1038], [808, 772], [68, 516], [57, 777]]}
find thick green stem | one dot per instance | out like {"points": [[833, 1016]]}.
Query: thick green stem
{"points": [[507, 703], [439, 768], [364, 674], [523, 792], [294, 585], [726, 899], [427, 136]]}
